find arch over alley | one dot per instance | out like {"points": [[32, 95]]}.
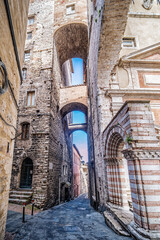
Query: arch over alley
{"points": [[72, 41], [73, 98]]}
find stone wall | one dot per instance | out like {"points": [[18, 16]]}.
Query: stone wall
{"points": [[131, 132], [109, 23], [8, 107], [76, 171], [61, 16], [114, 78], [84, 178], [46, 145]]}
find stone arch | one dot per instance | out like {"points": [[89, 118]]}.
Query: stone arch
{"points": [[72, 41], [74, 130], [115, 136], [117, 167], [73, 106]]}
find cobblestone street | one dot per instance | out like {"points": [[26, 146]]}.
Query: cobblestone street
{"points": [[74, 220]]}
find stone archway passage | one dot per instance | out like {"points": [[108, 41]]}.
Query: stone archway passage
{"points": [[73, 106], [72, 41], [26, 173], [74, 98]]}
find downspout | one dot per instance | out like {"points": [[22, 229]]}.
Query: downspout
{"points": [[13, 37]]}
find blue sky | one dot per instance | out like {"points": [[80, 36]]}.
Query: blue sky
{"points": [[77, 76], [79, 137]]}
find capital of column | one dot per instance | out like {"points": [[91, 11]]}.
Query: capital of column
{"points": [[142, 154]]}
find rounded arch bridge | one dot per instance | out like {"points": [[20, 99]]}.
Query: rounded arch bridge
{"points": [[72, 41]]}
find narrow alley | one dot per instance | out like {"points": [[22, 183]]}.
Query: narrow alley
{"points": [[74, 220], [80, 113]]}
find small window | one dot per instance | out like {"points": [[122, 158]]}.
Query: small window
{"points": [[128, 42], [30, 98], [24, 73], [25, 131], [29, 35], [63, 170], [66, 170], [27, 56], [70, 9], [30, 20]]}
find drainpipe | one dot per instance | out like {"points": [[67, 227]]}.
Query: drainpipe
{"points": [[13, 37]]}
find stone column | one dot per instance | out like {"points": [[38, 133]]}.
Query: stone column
{"points": [[116, 182], [144, 174]]}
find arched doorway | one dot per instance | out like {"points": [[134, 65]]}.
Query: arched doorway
{"points": [[26, 173], [117, 175]]}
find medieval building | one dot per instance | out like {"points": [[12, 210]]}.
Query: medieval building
{"points": [[42, 163], [13, 18], [123, 81], [118, 42]]}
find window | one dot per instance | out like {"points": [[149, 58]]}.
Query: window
{"points": [[70, 9], [30, 98], [63, 170], [29, 35], [30, 20], [128, 42], [27, 56], [25, 131], [24, 73]]}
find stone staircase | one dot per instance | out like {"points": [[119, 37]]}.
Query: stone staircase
{"points": [[118, 219], [20, 196]]}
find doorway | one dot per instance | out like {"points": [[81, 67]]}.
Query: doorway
{"points": [[26, 173]]}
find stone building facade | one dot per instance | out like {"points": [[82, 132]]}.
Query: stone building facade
{"points": [[123, 67], [122, 59], [76, 171], [13, 17], [84, 178], [43, 151]]}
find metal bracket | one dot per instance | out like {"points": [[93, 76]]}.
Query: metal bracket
{"points": [[5, 81]]}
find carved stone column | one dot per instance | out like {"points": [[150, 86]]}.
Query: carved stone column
{"points": [[144, 174]]}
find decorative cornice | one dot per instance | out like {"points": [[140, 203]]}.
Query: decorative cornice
{"points": [[142, 154], [140, 52], [110, 92], [143, 15]]}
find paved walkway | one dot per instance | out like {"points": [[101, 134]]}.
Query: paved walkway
{"points": [[74, 220]]}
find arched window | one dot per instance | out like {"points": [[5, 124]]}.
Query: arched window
{"points": [[24, 73], [25, 131]]}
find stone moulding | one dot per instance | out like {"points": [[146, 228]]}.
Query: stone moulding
{"points": [[142, 154]]}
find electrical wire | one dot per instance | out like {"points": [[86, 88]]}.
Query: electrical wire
{"points": [[10, 125]]}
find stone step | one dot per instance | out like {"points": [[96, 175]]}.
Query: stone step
{"points": [[114, 224], [17, 201], [19, 196], [21, 192]]}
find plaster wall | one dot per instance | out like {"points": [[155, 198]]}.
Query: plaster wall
{"points": [[8, 108]]}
